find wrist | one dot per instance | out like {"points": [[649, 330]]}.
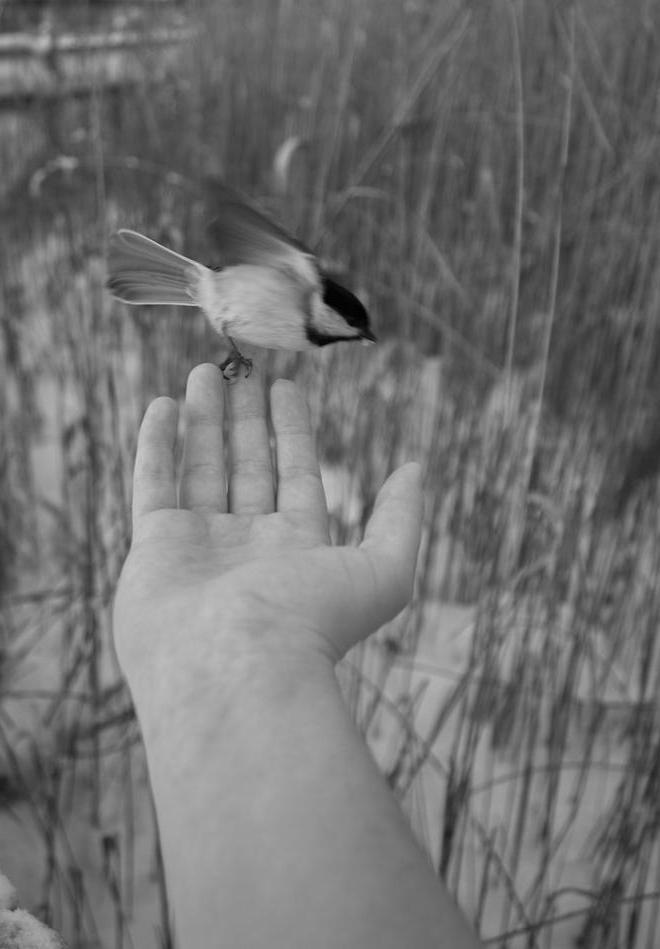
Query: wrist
{"points": [[231, 695], [253, 627]]}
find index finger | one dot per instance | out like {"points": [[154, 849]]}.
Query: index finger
{"points": [[154, 478], [203, 469]]}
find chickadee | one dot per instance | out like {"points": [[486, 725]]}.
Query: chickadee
{"points": [[269, 292]]}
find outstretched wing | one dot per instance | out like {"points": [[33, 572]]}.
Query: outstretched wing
{"points": [[243, 235]]}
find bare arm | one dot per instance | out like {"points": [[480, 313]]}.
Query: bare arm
{"points": [[277, 828]]}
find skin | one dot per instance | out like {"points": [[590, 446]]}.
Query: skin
{"points": [[231, 612]]}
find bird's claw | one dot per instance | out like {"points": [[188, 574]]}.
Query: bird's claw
{"points": [[230, 367]]}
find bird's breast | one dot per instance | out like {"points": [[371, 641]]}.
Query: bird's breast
{"points": [[258, 305]]}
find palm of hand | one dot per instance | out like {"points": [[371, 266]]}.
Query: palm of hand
{"points": [[202, 586], [184, 549], [267, 571]]}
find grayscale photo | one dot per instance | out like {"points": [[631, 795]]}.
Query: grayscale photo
{"points": [[329, 474]]}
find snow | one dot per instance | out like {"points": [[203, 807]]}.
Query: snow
{"points": [[20, 930]]}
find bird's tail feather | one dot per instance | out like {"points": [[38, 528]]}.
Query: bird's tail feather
{"points": [[143, 271]]}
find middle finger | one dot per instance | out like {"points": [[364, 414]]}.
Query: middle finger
{"points": [[251, 472]]}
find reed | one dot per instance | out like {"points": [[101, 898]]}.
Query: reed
{"points": [[486, 177]]}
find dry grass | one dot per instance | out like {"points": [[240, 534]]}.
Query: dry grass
{"points": [[487, 175]]}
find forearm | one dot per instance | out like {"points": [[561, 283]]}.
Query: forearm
{"points": [[279, 831]]}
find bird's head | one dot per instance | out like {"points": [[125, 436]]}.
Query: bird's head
{"points": [[337, 315]]}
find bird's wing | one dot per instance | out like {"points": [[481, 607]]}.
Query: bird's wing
{"points": [[245, 236]]}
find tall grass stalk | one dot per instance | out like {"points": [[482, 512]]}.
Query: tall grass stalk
{"points": [[486, 176]]}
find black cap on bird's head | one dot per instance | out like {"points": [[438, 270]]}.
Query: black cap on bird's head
{"points": [[347, 305], [349, 308]]}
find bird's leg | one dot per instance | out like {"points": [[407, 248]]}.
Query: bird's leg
{"points": [[229, 368]]}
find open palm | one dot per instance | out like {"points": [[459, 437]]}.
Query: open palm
{"points": [[243, 549]]}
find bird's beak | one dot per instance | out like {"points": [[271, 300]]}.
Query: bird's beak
{"points": [[367, 337]]}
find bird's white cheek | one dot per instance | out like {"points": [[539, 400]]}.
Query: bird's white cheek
{"points": [[329, 323]]}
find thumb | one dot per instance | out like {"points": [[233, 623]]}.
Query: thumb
{"points": [[382, 568]]}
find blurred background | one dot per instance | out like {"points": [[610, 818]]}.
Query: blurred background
{"points": [[486, 176]]}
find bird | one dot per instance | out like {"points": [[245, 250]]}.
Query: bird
{"points": [[270, 290]]}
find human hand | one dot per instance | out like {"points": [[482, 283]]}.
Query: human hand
{"points": [[240, 571]]}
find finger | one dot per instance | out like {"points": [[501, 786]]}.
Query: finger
{"points": [[391, 540], [154, 484], [251, 473], [203, 471], [299, 489], [376, 580]]}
